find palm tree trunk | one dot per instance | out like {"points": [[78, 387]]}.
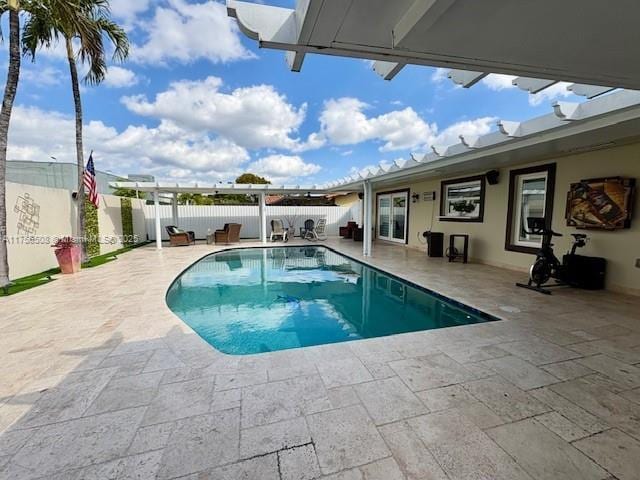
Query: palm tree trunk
{"points": [[79, 148], [13, 76]]}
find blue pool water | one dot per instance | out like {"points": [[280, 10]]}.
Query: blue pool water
{"points": [[256, 300]]}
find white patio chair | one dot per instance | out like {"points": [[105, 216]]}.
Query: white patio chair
{"points": [[278, 230]]}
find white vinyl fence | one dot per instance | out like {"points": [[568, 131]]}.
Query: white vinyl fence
{"points": [[202, 218]]}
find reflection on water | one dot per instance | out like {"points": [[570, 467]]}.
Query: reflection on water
{"points": [[265, 299]]}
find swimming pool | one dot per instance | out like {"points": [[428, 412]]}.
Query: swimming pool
{"points": [[255, 300]]}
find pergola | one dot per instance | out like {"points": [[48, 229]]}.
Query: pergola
{"points": [[584, 42], [261, 191]]}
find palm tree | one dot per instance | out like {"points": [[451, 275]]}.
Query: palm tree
{"points": [[10, 89], [43, 9], [95, 21]]}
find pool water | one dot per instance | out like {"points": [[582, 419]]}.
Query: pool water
{"points": [[254, 300]]}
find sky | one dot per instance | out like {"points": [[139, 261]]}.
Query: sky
{"points": [[199, 101]]}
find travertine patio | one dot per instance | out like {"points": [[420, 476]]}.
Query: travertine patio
{"points": [[99, 380]]}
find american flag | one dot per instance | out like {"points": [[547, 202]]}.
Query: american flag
{"points": [[90, 182]]}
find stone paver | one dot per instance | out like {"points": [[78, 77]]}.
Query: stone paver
{"points": [[615, 451], [389, 400], [520, 373], [505, 399], [445, 398], [124, 390], [345, 438], [415, 461], [272, 402], [77, 443], [299, 463], [343, 372], [180, 400], [273, 437], [432, 371], [463, 450], [542, 454], [201, 442]]}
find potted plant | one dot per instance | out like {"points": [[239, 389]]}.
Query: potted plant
{"points": [[68, 254], [463, 207]]}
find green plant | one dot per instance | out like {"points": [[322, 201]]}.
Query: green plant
{"points": [[463, 206], [91, 229], [126, 212]]}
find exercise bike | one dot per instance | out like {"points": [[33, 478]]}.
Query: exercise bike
{"points": [[547, 266]]}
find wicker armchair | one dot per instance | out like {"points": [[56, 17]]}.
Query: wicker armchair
{"points": [[180, 238], [229, 234]]}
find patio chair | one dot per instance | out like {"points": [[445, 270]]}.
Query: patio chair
{"points": [[180, 238], [229, 234], [278, 230], [318, 232], [308, 227]]}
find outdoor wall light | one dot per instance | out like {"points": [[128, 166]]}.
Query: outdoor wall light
{"points": [[415, 197]]}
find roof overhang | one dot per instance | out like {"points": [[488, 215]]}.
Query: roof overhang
{"points": [[571, 129], [571, 40]]}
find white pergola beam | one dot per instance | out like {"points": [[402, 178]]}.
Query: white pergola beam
{"points": [[423, 12], [466, 78], [533, 85], [589, 91], [387, 70]]}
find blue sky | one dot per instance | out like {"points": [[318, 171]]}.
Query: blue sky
{"points": [[198, 101]]}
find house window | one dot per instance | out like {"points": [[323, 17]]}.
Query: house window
{"points": [[530, 195], [462, 200]]}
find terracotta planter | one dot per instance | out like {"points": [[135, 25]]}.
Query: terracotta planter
{"points": [[69, 259]]}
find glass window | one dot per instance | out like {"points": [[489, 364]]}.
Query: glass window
{"points": [[530, 196], [462, 200]]}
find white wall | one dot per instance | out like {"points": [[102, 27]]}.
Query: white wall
{"points": [[200, 218], [30, 254]]}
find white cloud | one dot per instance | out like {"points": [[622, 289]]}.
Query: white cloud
{"points": [[119, 77], [343, 122], [185, 32], [253, 117], [451, 134], [283, 168], [162, 151], [128, 10], [439, 75], [498, 82], [554, 92], [40, 76]]}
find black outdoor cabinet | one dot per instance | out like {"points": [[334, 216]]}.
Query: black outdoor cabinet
{"points": [[435, 241], [585, 272]]}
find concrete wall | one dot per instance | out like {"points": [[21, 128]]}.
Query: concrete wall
{"points": [[621, 248], [30, 250]]}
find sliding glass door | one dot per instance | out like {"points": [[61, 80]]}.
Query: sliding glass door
{"points": [[392, 216]]}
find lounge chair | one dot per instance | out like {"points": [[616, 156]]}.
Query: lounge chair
{"points": [[229, 234], [318, 232], [180, 238], [278, 231]]}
